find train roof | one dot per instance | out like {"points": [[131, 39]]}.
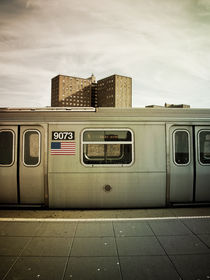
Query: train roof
{"points": [[68, 114]]}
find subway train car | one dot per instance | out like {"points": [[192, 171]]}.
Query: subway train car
{"points": [[104, 158]]}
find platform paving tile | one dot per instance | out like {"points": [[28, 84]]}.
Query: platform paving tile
{"points": [[57, 229], [21, 228], [48, 246], [89, 268], [97, 246], [192, 267], [128, 246], [198, 226], [2, 228], [148, 268], [169, 227], [5, 264], [45, 268], [12, 246], [150, 249], [176, 245], [94, 229], [132, 228], [205, 238]]}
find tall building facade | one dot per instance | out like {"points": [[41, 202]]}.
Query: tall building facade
{"points": [[114, 91], [68, 91]]}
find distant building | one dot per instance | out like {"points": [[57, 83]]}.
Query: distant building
{"points": [[68, 91], [169, 106], [177, 105], [154, 106], [114, 91]]}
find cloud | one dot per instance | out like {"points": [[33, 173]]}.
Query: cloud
{"points": [[163, 45]]}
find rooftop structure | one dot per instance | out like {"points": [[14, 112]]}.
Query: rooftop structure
{"points": [[169, 106]]}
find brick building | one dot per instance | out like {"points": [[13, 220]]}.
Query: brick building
{"points": [[68, 91], [113, 91]]}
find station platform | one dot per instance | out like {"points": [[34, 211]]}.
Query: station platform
{"points": [[105, 244]]}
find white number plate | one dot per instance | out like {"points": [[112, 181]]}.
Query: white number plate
{"points": [[62, 135]]}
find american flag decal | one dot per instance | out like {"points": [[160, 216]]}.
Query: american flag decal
{"points": [[63, 148]]}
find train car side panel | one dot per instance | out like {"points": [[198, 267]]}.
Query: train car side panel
{"points": [[148, 146], [106, 190], [75, 183]]}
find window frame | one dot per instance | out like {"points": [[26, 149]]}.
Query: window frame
{"points": [[198, 141], [39, 161], [108, 142], [13, 148], [174, 147]]}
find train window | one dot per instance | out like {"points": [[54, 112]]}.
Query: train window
{"points": [[6, 147], [204, 146], [181, 147], [107, 147], [31, 150]]}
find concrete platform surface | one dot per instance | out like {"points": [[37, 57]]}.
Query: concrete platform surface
{"points": [[150, 246]]}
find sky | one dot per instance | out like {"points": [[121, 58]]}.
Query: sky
{"points": [[163, 45]]}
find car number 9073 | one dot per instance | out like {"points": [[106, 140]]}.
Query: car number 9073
{"points": [[63, 135]]}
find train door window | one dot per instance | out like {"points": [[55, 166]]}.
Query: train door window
{"points": [[107, 147], [6, 147], [31, 147], [181, 144], [204, 146]]}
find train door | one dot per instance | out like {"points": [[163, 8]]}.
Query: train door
{"points": [[189, 164], [8, 164], [22, 165], [31, 165], [181, 164], [202, 164]]}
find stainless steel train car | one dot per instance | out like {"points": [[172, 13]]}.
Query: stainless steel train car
{"points": [[104, 158]]}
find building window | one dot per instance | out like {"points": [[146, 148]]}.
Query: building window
{"points": [[181, 140], [107, 147], [204, 146]]}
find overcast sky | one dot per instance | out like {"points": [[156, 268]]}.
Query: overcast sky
{"points": [[164, 45]]}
